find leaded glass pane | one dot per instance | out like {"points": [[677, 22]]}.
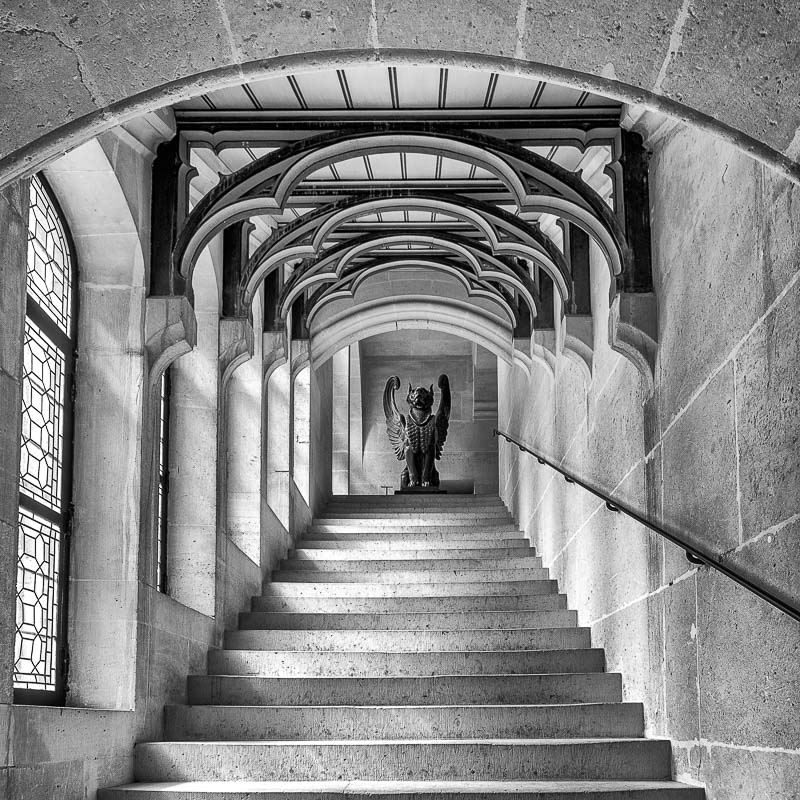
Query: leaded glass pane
{"points": [[163, 478], [49, 268], [35, 646], [42, 418]]}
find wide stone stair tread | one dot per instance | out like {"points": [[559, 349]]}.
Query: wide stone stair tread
{"points": [[507, 546], [408, 641], [399, 605], [417, 620], [394, 526], [409, 647], [369, 565], [406, 759], [455, 575], [454, 534], [380, 554], [438, 588], [377, 664], [408, 790], [571, 687], [244, 722]]}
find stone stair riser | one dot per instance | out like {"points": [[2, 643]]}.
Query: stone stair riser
{"points": [[398, 605], [373, 553], [245, 723], [370, 565], [410, 641], [433, 760], [399, 589], [392, 790], [365, 664], [497, 620], [457, 535], [594, 687], [412, 576], [473, 547]]}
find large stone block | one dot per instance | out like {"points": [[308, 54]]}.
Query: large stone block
{"points": [[263, 29], [706, 254], [628, 40], [773, 561], [700, 468], [681, 687], [768, 418], [748, 656], [731, 772], [472, 25], [751, 42]]}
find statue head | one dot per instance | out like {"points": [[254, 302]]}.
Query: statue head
{"points": [[420, 397]]}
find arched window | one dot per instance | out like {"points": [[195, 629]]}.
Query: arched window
{"points": [[40, 657]]}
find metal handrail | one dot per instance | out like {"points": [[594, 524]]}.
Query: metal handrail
{"points": [[695, 554]]}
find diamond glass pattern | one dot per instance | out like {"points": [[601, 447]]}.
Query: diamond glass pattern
{"points": [[35, 646], [40, 582], [49, 267], [161, 540], [42, 418]]}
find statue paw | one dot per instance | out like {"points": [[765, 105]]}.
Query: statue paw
{"points": [[426, 483], [413, 483]]}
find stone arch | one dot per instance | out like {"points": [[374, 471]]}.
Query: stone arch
{"points": [[473, 288], [70, 119], [416, 312], [108, 427]]}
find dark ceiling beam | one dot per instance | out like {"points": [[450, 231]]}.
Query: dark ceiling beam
{"points": [[245, 120]]}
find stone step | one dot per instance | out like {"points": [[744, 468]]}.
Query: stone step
{"points": [[366, 504], [401, 537], [384, 544], [340, 511], [238, 690], [405, 589], [247, 723], [392, 525], [406, 790], [410, 641], [377, 564], [395, 576], [374, 552], [280, 663], [406, 621], [439, 759], [398, 605]]}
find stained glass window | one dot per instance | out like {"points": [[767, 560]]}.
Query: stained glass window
{"points": [[44, 508]]}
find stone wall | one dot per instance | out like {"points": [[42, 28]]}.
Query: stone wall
{"points": [[131, 646], [737, 67], [419, 357], [714, 452]]}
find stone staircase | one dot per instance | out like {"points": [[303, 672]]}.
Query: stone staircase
{"points": [[411, 646]]}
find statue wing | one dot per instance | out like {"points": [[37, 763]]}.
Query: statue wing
{"points": [[443, 414], [395, 422]]}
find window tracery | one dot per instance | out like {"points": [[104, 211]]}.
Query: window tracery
{"points": [[45, 457]]}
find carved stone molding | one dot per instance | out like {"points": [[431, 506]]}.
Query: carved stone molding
{"points": [[236, 346], [300, 355], [579, 342], [633, 332], [274, 348], [170, 331], [543, 350]]}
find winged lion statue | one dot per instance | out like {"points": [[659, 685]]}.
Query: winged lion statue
{"points": [[418, 438]]}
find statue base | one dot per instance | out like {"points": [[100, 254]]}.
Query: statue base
{"points": [[421, 490]]}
